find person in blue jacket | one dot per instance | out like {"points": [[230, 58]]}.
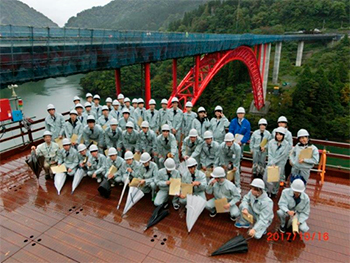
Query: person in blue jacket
{"points": [[240, 125]]}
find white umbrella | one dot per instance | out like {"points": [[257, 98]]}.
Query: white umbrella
{"points": [[183, 168], [78, 176], [60, 179], [134, 195], [124, 187], [195, 206]]}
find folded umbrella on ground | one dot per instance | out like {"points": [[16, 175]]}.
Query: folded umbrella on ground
{"points": [[77, 178], [237, 244], [36, 163], [60, 179], [134, 195], [195, 206], [105, 188], [158, 214]]}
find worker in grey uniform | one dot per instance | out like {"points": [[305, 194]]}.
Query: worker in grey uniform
{"points": [[80, 111], [88, 111], [105, 118], [54, 122], [147, 139], [175, 119], [128, 106], [283, 122], [166, 146], [220, 187], [196, 178], [134, 104], [93, 132], [83, 157], [69, 157], [140, 111], [259, 153], [49, 150], [76, 100], [152, 116], [120, 98], [117, 162], [148, 173], [188, 118], [301, 167], [192, 146], [125, 119], [89, 97], [73, 126], [96, 164], [210, 151], [130, 167], [201, 123], [113, 136], [294, 202], [219, 124], [229, 157], [96, 107], [163, 182], [116, 112], [130, 138], [109, 103], [260, 206], [163, 113]]}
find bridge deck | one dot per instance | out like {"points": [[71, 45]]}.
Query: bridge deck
{"points": [[37, 225]]}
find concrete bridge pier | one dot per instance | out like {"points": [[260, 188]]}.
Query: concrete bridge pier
{"points": [[266, 68], [299, 53], [276, 66]]}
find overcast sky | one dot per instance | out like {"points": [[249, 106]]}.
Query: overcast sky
{"points": [[60, 11]]}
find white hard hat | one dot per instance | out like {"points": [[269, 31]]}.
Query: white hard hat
{"points": [[109, 99], [105, 107], [218, 108], [93, 148], [303, 133], [78, 105], [208, 135], [218, 172], [134, 100], [47, 133], [259, 183], [298, 186], [201, 109], [191, 162], [169, 164], [165, 127], [115, 103], [81, 147], [97, 97], [229, 137], [262, 121], [145, 124], [73, 112], [125, 110], [90, 118], [76, 98], [140, 100], [193, 133], [126, 99], [112, 151], [120, 96], [145, 157], [128, 155], [240, 110], [88, 95], [164, 101], [152, 102], [175, 99], [282, 119], [281, 130], [113, 121], [129, 124], [66, 141], [188, 104], [87, 104], [50, 107]]}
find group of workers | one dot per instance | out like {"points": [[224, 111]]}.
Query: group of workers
{"points": [[149, 145]]}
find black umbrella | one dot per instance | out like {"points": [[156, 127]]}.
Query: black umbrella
{"points": [[237, 244], [36, 163], [158, 214], [105, 188]]}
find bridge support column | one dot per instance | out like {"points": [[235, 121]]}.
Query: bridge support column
{"points": [[174, 74], [299, 53], [266, 67], [147, 84], [276, 66], [261, 58], [118, 88]]}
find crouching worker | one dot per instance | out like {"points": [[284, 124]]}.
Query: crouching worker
{"points": [[148, 173], [69, 157], [83, 157], [294, 202], [116, 161], [96, 164], [163, 182], [257, 204], [220, 187], [130, 167], [196, 178]]}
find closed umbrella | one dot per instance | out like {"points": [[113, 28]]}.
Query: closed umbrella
{"points": [[195, 206], [105, 188], [158, 214], [123, 191], [134, 195], [36, 163], [237, 244], [60, 179], [77, 178]]}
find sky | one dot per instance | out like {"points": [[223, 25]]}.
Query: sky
{"points": [[60, 11]]}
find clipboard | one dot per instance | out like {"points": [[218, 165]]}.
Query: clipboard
{"points": [[139, 121], [263, 143], [305, 153], [231, 175], [295, 226], [219, 205], [58, 169], [135, 182], [175, 186], [273, 174], [186, 189], [94, 142], [104, 127], [74, 138], [137, 157], [249, 218], [85, 160], [238, 138], [59, 142], [106, 152], [112, 170]]}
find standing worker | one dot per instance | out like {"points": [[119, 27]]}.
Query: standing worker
{"points": [[219, 123], [152, 116], [175, 119], [201, 123], [188, 118], [54, 122]]}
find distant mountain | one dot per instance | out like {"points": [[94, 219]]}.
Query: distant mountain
{"points": [[134, 14], [19, 14]]}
